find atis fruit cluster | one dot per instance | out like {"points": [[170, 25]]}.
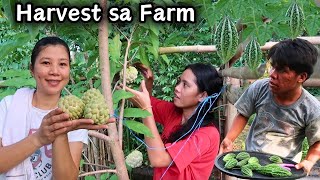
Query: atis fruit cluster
{"points": [[131, 74], [92, 106]]}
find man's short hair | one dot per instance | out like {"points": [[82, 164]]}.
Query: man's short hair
{"points": [[297, 54]]}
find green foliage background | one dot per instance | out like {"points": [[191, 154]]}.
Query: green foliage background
{"points": [[264, 19]]}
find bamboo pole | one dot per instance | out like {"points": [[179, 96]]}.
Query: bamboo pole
{"points": [[312, 82], [212, 48]]}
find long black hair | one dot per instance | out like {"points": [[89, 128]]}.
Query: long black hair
{"points": [[207, 80]]}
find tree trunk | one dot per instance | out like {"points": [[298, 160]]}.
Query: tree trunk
{"points": [[116, 150]]}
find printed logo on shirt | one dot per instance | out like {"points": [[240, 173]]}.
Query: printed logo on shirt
{"points": [[41, 161], [36, 159]]}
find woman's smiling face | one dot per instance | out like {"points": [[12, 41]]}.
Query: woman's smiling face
{"points": [[51, 69]]}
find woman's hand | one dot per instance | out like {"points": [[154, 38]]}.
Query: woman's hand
{"points": [[145, 70], [141, 98], [147, 74], [57, 122], [88, 124], [53, 124]]}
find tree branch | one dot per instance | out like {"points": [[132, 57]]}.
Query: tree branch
{"points": [[98, 172]]}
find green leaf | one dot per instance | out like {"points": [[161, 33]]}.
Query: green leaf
{"points": [[136, 113], [9, 6], [129, 168], [80, 2], [115, 48], [105, 176], [154, 40], [9, 46], [34, 29], [143, 56], [97, 84], [138, 127], [114, 68], [154, 51], [114, 177], [79, 32], [154, 27], [165, 58], [18, 82], [93, 55], [89, 178], [81, 163], [6, 92], [91, 73], [16, 73], [312, 24], [121, 94]]}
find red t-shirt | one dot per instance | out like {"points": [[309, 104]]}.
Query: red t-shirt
{"points": [[193, 157]]}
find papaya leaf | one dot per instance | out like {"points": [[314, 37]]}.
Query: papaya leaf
{"points": [[138, 127], [312, 24], [136, 113]]}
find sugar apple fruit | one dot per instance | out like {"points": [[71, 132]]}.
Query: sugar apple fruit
{"points": [[134, 159], [91, 94], [131, 74], [72, 105], [97, 110]]}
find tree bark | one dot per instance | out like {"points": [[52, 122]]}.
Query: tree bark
{"points": [[116, 150]]}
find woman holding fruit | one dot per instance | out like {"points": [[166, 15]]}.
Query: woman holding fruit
{"points": [[37, 141], [189, 143]]}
